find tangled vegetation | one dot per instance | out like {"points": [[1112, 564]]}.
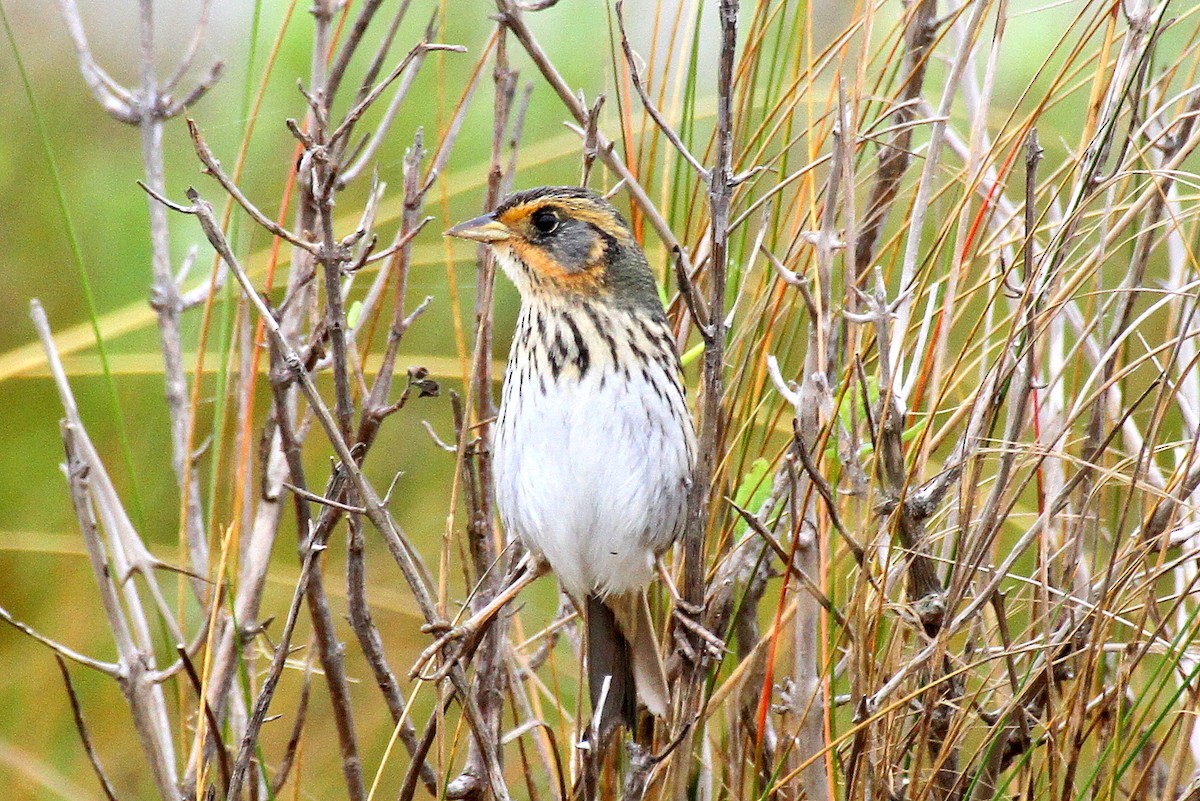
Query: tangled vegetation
{"points": [[934, 276]]}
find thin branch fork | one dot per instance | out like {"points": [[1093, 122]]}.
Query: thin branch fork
{"points": [[145, 699], [213, 168], [692, 686], [376, 405], [123, 104], [351, 164], [361, 107], [148, 107], [720, 195], [313, 538], [375, 409], [91, 494], [319, 165], [338, 492], [474, 458]]}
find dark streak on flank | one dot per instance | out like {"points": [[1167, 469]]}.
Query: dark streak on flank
{"points": [[558, 354], [582, 359], [597, 323], [638, 353]]}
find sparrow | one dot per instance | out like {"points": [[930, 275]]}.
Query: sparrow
{"points": [[594, 445]]}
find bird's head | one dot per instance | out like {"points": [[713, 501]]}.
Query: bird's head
{"points": [[565, 241]]}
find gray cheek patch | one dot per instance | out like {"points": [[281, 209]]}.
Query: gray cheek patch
{"points": [[573, 245]]}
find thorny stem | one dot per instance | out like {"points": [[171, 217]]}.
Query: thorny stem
{"points": [[147, 704], [720, 193], [92, 493], [376, 512], [475, 457]]}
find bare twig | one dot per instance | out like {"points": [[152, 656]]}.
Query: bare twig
{"points": [[648, 104], [510, 14], [60, 650], [213, 168], [117, 101], [81, 727]]}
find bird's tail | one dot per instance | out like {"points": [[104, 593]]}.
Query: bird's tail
{"points": [[623, 661], [610, 670]]}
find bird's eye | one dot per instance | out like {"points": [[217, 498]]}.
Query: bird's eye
{"points": [[545, 221]]}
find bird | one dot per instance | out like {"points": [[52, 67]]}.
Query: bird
{"points": [[594, 447]]}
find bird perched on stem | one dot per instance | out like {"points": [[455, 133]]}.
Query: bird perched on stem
{"points": [[594, 446]]}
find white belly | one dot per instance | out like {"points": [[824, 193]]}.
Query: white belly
{"points": [[592, 474]]}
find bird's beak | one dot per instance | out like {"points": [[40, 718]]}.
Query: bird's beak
{"points": [[482, 229]]}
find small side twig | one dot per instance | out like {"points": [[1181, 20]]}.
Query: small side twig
{"points": [[81, 727], [648, 104]]}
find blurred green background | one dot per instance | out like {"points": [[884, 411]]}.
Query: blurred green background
{"points": [[44, 578]]}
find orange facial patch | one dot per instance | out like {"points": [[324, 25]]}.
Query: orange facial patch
{"points": [[542, 264]]}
